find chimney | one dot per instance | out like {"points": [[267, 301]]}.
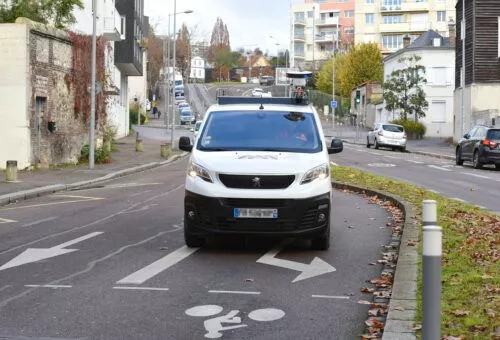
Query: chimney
{"points": [[452, 32], [406, 41]]}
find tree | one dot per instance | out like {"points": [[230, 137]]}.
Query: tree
{"points": [[362, 64], [403, 90], [324, 77], [224, 61], [58, 13], [183, 52], [155, 58], [219, 39]]}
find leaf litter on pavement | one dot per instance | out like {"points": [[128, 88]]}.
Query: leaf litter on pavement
{"points": [[470, 262]]}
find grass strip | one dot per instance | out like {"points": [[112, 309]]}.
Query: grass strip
{"points": [[470, 267]]}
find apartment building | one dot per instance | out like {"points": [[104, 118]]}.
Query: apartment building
{"points": [[318, 28], [386, 22]]}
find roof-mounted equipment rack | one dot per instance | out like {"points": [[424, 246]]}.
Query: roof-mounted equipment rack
{"points": [[227, 100]]}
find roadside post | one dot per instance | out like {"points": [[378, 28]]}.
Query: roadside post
{"points": [[431, 272], [138, 143], [165, 150], [11, 171]]}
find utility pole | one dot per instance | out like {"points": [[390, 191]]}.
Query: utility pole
{"points": [[92, 86], [462, 33], [314, 42], [167, 84], [173, 82]]}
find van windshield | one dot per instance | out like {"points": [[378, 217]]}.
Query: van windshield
{"points": [[178, 82], [260, 131]]}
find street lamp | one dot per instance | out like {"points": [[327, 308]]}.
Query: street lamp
{"points": [[173, 73]]}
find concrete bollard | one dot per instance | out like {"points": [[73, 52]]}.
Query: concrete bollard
{"points": [[138, 145], [11, 171], [165, 150], [431, 272]]}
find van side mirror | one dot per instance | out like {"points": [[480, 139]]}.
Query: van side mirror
{"points": [[336, 146], [185, 144], [466, 136]]}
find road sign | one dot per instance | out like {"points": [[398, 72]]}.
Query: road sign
{"points": [[315, 268], [333, 104], [37, 254]]}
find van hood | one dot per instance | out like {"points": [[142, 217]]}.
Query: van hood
{"points": [[258, 162]]}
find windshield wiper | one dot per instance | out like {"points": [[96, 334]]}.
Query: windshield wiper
{"points": [[215, 149]]}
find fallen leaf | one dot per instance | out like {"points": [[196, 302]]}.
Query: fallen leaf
{"points": [[490, 312], [248, 280], [364, 302], [478, 328], [369, 336], [460, 312], [372, 264], [367, 290], [412, 243], [451, 337], [417, 327]]}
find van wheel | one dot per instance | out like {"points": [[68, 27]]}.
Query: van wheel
{"points": [[475, 161], [367, 142], [322, 242], [458, 157], [376, 146], [193, 241]]}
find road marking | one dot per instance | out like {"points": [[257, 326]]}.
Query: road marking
{"points": [[48, 219], [330, 297], [315, 268], [478, 176], [52, 203], [438, 167], [5, 287], [382, 165], [458, 199], [83, 197], [144, 274], [48, 286], [140, 193], [388, 156], [233, 292], [37, 254], [140, 288], [128, 185], [6, 220], [416, 162]]}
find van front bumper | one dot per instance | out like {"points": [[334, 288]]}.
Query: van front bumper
{"points": [[296, 217]]}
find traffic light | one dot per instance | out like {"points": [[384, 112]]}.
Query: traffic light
{"points": [[358, 97]]}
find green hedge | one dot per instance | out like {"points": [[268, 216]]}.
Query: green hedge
{"points": [[134, 112], [414, 130]]}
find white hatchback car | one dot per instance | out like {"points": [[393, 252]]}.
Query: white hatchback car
{"points": [[387, 135]]}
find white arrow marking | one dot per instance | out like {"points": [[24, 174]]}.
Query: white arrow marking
{"points": [[5, 220], [315, 268], [37, 254], [144, 274]]}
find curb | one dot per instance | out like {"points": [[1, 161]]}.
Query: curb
{"points": [[423, 153], [403, 302], [50, 189]]}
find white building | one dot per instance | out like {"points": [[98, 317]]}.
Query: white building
{"points": [[197, 69], [110, 24], [438, 58]]}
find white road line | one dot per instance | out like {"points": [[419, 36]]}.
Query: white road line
{"points": [[140, 288], [48, 219], [416, 162], [140, 193], [128, 185], [48, 286], [438, 167], [157, 267], [458, 199], [478, 176], [82, 197], [392, 157], [53, 203], [233, 292], [330, 297], [6, 220]]}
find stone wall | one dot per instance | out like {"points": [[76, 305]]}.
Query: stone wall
{"points": [[61, 135]]}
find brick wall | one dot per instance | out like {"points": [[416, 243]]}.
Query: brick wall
{"points": [[50, 60]]}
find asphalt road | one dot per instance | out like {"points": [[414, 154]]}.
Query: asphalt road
{"points": [[110, 263], [464, 183]]}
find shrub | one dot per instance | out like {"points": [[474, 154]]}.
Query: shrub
{"points": [[134, 112], [101, 155], [414, 130]]}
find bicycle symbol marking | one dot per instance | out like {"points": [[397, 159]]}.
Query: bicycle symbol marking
{"points": [[214, 325]]}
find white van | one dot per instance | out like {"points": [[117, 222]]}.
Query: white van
{"points": [[259, 166]]}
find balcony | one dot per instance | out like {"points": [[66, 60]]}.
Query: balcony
{"points": [[299, 21], [326, 38], [404, 27], [299, 54], [112, 27], [301, 37], [327, 22], [405, 6]]}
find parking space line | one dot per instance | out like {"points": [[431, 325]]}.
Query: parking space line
{"points": [[330, 297], [48, 286], [48, 219], [233, 292], [52, 203], [141, 288], [82, 197], [438, 167], [6, 220], [416, 162], [478, 176]]}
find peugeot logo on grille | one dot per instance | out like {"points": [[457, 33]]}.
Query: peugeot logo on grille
{"points": [[256, 182]]}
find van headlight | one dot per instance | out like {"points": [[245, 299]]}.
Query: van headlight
{"points": [[195, 170], [319, 172]]}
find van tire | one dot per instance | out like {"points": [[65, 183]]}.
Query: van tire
{"points": [[322, 242], [193, 241]]}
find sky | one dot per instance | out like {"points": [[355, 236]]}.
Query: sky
{"points": [[250, 23]]}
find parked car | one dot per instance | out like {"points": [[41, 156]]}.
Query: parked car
{"points": [[258, 92], [183, 105], [179, 100], [387, 135], [266, 80], [187, 117], [481, 145], [196, 128]]}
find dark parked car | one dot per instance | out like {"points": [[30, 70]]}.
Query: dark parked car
{"points": [[266, 80], [481, 145]]}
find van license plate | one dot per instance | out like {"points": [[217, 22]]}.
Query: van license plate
{"points": [[255, 213]]}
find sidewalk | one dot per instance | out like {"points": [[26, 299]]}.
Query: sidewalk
{"points": [[125, 161], [430, 146]]}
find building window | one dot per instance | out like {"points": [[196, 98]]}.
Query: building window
{"points": [[386, 3], [438, 111], [369, 18], [349, 14], [392, 41], [392, 19], [368, 2], [441, 16], [349, 30], [310, 14], [440, 75], [369, 38]]}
